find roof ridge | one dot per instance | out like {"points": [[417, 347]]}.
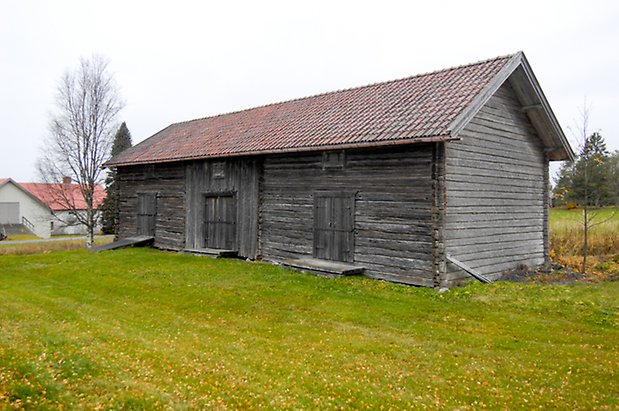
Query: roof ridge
{"points": [[378, 83]]}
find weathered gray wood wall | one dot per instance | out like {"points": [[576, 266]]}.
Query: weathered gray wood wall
{"points": [[496, 183], [238, 176], [393, 208], [167, 181], [483, 200]]}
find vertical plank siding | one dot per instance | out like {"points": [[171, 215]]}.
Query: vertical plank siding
{"points": [[167, 183], [392, 208], [236, 177], [496, 191], [147, 213]]}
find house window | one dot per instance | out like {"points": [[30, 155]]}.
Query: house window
{"points": [[333, 160], [218, 170]]}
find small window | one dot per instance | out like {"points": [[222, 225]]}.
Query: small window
{"points": [[218, 170], [333, 160], [149, 171]]}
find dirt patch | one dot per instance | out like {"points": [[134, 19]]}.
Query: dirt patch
{"points": [[555, 274]]}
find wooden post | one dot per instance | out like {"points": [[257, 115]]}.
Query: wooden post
{"points": [[439, 263], [546, 218]]}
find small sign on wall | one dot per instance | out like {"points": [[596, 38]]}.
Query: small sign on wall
{"points": [[219, 171]]}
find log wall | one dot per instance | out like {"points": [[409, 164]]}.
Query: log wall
{"points": [[483, 200], [496, 191], [392, 210], [167, 181]]}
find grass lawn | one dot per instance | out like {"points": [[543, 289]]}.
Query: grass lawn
{"points": [[146, 329], [45, 246]]}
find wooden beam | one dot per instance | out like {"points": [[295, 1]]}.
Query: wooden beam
{"points": [[477, 275], [319, 266], [532, 107], [138, 241]]}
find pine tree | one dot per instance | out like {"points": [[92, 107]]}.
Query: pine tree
{"points": [[591, 184], [590, 180], [111, 204]]}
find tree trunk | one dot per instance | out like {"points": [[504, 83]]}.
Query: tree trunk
{"points": [[585, 241], [90, 237]]}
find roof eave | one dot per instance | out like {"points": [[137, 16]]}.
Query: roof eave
{"points": [[385, 143], [517, 70], [561, 148]]}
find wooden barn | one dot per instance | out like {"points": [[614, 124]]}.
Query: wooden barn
{"points": [[422, 180]]}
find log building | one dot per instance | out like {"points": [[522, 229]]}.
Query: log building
{"points": [[407, 181]]}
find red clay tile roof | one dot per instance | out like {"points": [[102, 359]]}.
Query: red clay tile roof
{"points": [[50, 196], [412, 109]]}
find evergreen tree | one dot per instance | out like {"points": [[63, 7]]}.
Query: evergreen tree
{"points": [[591, 176], [111, 204], [589, 180]]}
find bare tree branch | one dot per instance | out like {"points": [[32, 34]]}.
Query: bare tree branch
{"points": [[80, 137]]}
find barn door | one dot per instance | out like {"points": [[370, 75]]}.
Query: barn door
{"points": [[147, 213], [334, 225], [9, 213], [219, 221]]}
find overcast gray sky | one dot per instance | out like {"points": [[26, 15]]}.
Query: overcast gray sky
{"points": [[179, 60]]}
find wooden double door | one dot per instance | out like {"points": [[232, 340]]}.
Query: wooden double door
{"points": [[334, 226], [219, 222]]}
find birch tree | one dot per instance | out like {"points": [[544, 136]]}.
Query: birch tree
{"points": [[80, 137]]}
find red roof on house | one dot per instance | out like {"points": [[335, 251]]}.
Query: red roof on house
{"points": [[58, 196], [419, 108]]}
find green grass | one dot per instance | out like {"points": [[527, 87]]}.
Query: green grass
{"points": [[563, 218], [144, 329]]}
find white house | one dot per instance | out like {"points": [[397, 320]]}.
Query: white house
{"points": [[19, 206], [35, 206]]}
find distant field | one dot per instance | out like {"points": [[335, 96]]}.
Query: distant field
{"points": [[19, 237], [48, 246], [145, 329], [566, 231]]}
